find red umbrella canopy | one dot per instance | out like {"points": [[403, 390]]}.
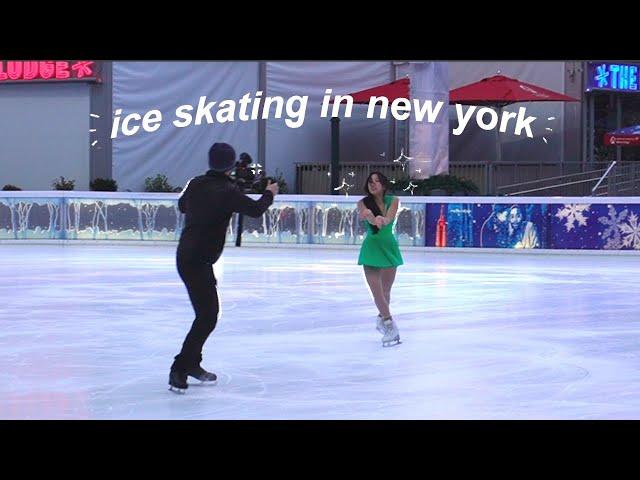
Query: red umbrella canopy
{"points": [[500, 91], [393, 90]]}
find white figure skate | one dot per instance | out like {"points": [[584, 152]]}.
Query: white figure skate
{"points": [[391, 333]]}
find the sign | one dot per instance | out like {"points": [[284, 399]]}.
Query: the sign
{"points": [[48, 71], [624, 136], [617, 77]]}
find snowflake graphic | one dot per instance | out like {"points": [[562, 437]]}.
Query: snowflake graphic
{"points": [[612, 233], [83, 68], [631, 232], [573, 213], [601, 76]]}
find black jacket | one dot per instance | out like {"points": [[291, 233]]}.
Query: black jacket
{"points": [[208, 202]]}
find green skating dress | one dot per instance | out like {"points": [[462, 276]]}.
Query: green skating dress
{"points": [[381, 249]]}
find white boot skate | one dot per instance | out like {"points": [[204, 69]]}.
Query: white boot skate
{"points": [[391, 333], [380, 325]]}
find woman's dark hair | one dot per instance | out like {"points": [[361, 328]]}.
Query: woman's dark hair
{"points": [[369, 201], [383, 180]]}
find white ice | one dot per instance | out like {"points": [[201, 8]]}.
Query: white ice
{"points": [[89, 332]]}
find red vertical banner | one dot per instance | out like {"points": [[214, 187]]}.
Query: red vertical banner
{"points": [[441, 229]]}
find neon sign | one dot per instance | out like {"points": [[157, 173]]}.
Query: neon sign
{"points": [[621, 77], [48, 71]]}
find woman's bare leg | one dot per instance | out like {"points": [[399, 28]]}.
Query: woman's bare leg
{"points": [[374, 280], [387, 276]]}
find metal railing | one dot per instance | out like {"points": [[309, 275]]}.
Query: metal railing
{"points": [[607, 180], [315, 178], [604, 175], [505, 178]]}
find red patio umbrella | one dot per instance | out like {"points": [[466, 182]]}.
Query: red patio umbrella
{"points": [[498, 91], [392, 90]]}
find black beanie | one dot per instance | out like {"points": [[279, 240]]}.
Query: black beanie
{"points": [[222, 157]]}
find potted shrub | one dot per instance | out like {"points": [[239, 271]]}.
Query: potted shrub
{"points": [[62, 184], [104, 185], [159, 183]]}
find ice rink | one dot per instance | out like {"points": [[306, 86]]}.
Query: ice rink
{"points": [[90, 331]]}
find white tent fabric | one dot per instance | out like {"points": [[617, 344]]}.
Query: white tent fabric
{"points": [[44, 134], [178, 153], [361, 139], [429, 141]]}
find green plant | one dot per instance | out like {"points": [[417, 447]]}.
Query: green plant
{"points": [[259, 187], [10, 187], [62, 184], [159, 183], [450, 183], [104, 185]]}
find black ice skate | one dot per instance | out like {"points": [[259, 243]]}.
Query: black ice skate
{"points": [[201, 374], [178, 381]]}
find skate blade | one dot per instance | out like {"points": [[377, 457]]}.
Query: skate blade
{"points": [[205, 383], [202, 381], [179, 391], [391, 343]]}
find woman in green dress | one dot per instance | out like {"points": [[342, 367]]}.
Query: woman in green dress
{"points": [[380, 254]]}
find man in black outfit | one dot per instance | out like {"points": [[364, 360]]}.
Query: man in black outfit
{"points": [[208, 202]]}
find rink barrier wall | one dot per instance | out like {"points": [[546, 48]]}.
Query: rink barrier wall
{"points": [[463, 223]]}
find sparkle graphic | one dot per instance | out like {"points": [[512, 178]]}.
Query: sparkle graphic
{"points": [[255, 168], [548, 129], [94, 130], [402, 159], [411, 187], [345, 186]]}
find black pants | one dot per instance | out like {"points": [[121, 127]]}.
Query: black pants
{"points": [[201, 285]]}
